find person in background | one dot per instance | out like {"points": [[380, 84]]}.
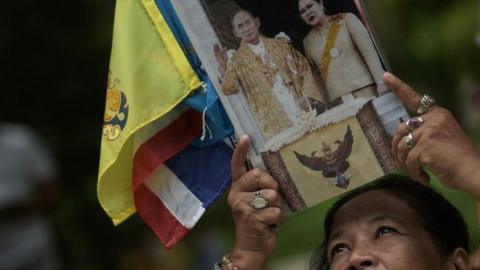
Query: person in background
{"points": [[393, 224], [27, 186]]}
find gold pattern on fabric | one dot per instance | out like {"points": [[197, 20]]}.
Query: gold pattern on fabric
{"points": [[116, 110], [313, 186], [331, 39], [247, 71]]}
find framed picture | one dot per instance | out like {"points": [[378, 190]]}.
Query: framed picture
{"points": [[304, 80]]}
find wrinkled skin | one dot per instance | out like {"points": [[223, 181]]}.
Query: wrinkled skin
{"points": [[440, 145], [255, 230], [376, 230]]}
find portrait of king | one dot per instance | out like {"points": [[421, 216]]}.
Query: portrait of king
{"points": [[275, 78]]}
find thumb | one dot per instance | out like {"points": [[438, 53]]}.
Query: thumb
{"points": [[403, 91], [239, 156]]}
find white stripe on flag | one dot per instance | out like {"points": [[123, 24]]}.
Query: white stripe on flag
{"points": [[176, 197]]}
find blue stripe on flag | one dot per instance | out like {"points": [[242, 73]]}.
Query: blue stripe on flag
{"points": [[218, 124], [204, 166], [207, 101], [168, 12], [202, 170]]}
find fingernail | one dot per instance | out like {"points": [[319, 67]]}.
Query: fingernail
{"points": [[388, 75]]}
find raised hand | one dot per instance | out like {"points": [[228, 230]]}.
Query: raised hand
{"points": [[222, 57], [255, 225], [437, 142]]}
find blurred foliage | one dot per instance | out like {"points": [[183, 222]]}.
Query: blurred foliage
{"points": [[54, 65], [429, 44]]}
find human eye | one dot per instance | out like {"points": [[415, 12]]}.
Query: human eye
{"points": [[337, 249], [301, 11], [384, 230], [309, 6]]}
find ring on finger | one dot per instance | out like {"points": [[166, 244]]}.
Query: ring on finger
{"points": [[414, 123], [259, 201], [426, 103], [409, 141]]}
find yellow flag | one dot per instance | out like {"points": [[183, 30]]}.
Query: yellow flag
{"points": [[149, 76]]}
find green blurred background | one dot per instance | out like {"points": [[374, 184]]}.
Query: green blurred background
{"points": [[54, 64]]}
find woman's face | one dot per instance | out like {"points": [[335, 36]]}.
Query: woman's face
{"points": [[379, 231], [311, 12]]}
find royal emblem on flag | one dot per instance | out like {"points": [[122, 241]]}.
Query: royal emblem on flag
{"points": [[116, 111]]}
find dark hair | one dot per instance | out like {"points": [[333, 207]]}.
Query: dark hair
{"points": [[440, 219], [238, 10]]}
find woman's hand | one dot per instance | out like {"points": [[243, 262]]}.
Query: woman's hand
{"points": [[439, 144], [255, 229]]}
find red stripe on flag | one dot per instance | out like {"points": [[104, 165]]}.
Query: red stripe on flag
{"points": [[153, 212], [165, 144]]}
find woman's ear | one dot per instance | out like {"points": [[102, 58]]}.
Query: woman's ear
{"points": [[459, 260]]}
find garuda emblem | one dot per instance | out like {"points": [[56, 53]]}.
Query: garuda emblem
{"points": [[116, 111], [331, 164]]}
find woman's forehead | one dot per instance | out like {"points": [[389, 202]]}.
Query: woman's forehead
{"points": [[373, 205]]}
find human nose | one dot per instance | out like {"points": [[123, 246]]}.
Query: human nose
{"points": [[362, 257]]}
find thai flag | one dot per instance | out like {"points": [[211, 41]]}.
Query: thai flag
{"points": [[165, 157], [174, 181], [176, 175]]}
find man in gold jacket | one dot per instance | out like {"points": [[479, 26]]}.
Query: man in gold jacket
{"points": [[275, 78]]}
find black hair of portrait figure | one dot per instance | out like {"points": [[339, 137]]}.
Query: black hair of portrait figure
{"points": [[282, 16]]}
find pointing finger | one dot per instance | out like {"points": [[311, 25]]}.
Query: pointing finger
{"points": [[239, 156], [407, 95]]}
